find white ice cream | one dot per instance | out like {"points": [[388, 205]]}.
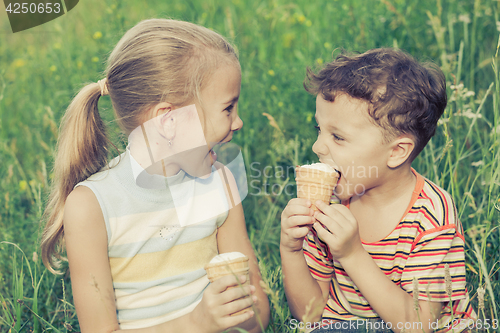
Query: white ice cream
{"points": [[227, 257], [319, 166]]}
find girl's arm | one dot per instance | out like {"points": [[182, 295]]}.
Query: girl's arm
{"points": [[232, 236], [86, 245]]}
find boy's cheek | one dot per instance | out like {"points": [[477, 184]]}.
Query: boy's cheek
{"points": [[345, 189]]}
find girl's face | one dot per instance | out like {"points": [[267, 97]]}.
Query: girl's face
{"points": [[219, 117]]}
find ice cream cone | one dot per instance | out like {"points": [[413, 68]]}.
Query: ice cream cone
{"points": [[315, 184], [237, 266]]}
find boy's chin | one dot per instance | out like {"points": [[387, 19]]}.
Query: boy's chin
{"points": [[343, 196]]}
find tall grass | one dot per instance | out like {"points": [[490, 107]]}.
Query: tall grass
{"points": [[42, 68]]}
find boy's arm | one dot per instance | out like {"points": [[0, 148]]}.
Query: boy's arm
{"points": [[301, 289], [392, 303]]}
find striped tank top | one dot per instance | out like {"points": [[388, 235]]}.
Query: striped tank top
{"points": [[159, 238]]}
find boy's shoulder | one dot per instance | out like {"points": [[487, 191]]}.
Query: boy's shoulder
{"points": [[434, 205]]}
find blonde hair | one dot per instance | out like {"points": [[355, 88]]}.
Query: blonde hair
{"points": [[157, 60]]}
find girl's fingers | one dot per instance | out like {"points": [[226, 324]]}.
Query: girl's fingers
{"points": [[234, 293], [231, 321], [238, 305], [218, 286]]}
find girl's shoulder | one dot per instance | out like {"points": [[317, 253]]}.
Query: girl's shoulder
{"points": [[82, 207]]}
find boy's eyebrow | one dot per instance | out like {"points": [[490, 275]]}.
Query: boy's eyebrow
{"points": [[330, 126]]}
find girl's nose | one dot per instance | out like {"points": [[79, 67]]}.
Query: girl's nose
{"points": [[237, 124]]}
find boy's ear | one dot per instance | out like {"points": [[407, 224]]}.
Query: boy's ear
{"points": [[401, 150]]}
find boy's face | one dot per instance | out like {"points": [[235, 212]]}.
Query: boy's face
{"points": [[349, 139]]}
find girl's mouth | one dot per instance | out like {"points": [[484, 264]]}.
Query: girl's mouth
{"points": [[213, 156]]}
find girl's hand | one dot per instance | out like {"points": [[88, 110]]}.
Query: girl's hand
{"points": [[342, 233], [212, 314], [296, 222]]}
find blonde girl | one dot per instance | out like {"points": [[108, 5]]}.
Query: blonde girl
{"points": [[129, 270]]}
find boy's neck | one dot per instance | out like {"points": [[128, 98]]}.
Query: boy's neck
{"points": [[398, 184], [381, 209]]}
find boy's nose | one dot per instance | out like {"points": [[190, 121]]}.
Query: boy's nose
{"points": [[316, 148]]}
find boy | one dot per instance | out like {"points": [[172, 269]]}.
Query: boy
{"points": [[395, 230]]}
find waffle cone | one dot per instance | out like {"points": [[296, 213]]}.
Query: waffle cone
{"points": [[315, 184], [238, 266]]}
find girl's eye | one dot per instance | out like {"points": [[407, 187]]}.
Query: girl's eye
{"points": [[317, 129], [229, 108]]}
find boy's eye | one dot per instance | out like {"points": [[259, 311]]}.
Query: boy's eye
{"points": [[317, 129], [229, 108], [336, 137]]}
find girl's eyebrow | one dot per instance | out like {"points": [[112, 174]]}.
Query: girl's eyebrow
{"points": [[234, 100]]}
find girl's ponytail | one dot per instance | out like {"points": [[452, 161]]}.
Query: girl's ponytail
{"points": [[81, 151]]}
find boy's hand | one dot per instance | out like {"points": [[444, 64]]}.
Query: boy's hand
{"points": [[342, 235], [296, 222]]}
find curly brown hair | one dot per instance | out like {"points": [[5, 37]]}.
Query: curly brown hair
{"points": [[405, 96]]}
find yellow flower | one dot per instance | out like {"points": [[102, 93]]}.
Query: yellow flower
{"points": [[274, 88], [280, 104], [270, 72], [79, 64], [301, 18], [309, 117], [22, 185], [97, 35], [32, 183], [287, 39], [53, 68], [18, 63], [95, 59], [308, 23], [319, 61], [327, 45], [57, 46]]}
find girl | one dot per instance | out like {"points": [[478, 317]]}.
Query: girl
{"points": [[135, 264]]}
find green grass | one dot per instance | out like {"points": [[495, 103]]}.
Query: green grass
{"points": [[42, 68]]}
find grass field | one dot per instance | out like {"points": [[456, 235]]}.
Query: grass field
{"points": [[42, 68]]}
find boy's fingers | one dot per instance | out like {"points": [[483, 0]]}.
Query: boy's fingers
{"points": [[298, 210], [323, 234], [295, 221], [301, 232], [300, 201], [297, 206], [344, 211], [330, 210], [327, 221]]}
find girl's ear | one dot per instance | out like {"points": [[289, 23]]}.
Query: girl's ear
{"points": [[402, 148], [168, 123], [165, 119]]}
